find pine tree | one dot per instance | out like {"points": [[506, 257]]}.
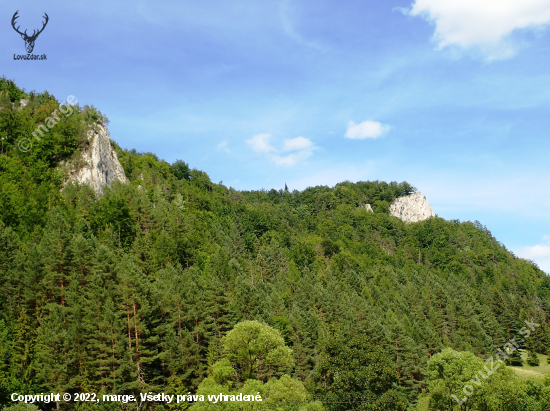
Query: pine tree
{"points": [[56, 257], [53, 348], [506, 318], [134, 310], [532, 358], [22, 350], [515, 359], [107, 341], [220, 307], [10, 279], [303, 345], [143, 251], [406, 354], [32, 273], [198, 317], [179, 355]]}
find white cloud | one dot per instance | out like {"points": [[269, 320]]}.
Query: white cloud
{"points": [[536, 251], [481, 23], [260, 143], [540, 254], [546, 238], [292, 159], [366, 129], [289, 29], [223, 146], [298, 143], [302, 149]]}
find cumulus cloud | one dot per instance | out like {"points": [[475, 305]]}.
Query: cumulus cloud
{"points": [[366, 129], [298, 143], [292, 159], [539, 253], [536, 251], [300, 147], [481, 23], [260, 143]]}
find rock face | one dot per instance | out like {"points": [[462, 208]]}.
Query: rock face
{"points": [[411, 208], [100, 163], [368, 208]]}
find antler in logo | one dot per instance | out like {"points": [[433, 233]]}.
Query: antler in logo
{"points": [[29, 40]]}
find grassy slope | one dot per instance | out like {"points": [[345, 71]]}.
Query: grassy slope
{"points": [[528, 371]]}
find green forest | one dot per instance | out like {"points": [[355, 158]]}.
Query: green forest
{"points": [[174, 284]]}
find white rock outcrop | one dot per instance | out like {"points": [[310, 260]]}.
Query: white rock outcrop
{"points": [[368, 208], [99, 163], [411, 208]]}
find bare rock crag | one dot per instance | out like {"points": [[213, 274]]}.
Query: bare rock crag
{"points": [[99, 163], [411, 208]]}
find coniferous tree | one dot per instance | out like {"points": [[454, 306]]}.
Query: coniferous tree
{"points": [[533, 358], [53, 347], [134, 310], [22, 351], [515, 359], [56, 257]]}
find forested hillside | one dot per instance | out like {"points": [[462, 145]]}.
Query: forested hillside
{"points": [[135, 290]]}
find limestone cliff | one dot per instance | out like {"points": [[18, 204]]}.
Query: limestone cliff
{"points": [[98, 165], [411, 208]]}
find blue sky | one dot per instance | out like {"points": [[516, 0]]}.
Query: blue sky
{"points": [[452, 96]]}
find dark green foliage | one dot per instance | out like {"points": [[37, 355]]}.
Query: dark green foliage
{"points": [[180, 170], [353, 373], [92, 115], [533, 358], [329, 247], [515, 359], [114, 212], [8, 88], [381, 206]]}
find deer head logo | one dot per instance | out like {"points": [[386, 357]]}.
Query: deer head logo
{"points": [[29, 40]]}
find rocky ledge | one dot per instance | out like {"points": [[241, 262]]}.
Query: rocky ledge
{"points": [[99, 165], [412, 208]]}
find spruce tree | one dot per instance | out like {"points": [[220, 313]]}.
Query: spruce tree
{"points": [[132, 297], [532, 358], [406, 354], [515, 359], [22, 350], [53, 347], [56, 256], [178, 354]]}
